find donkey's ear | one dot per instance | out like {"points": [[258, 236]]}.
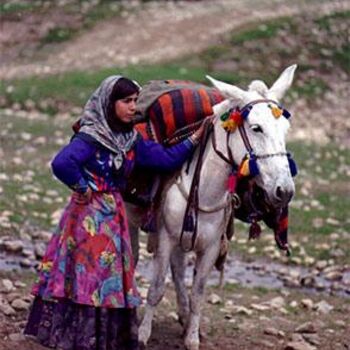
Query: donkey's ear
{"points": [[282, 84], [228, 90]]}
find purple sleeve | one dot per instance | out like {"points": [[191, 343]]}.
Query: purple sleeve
{"points": [[156, 157], [68, 163]]}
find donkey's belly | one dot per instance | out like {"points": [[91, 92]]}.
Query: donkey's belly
{"points": [[210, 225]]}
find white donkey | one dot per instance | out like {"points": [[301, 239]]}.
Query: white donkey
{"points": [[266, 134]]}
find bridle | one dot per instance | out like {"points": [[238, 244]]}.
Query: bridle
{"points": [[191, 211], [229, 158]]}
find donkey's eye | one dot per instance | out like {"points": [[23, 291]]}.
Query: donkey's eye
{"points": [[256, 128]]}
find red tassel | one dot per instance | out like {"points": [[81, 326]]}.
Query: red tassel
{"points": [[231, 183]]}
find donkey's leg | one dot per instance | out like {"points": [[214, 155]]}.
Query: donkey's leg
{"points": [[178, 268], [204, 263], [157, 288]]}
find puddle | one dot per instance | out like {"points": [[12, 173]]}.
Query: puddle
{"points": [[267, 275], [248, 274]]}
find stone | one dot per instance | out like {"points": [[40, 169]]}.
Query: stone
{"points": [[267, 344], [333, 276], [214, 299], [14, 246], [7, 285], [26, 263], [19, 304], [7, 310], [323, 307], [321, 264], [260, 307], [307, 327], [275, 303], [173, 315], [12, 296], [313, 339], [299, 346], [19, 284], [275, 332], [39, 249], [307, 303], [242, 310], [16, 337]]}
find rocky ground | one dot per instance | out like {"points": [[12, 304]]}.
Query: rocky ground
{"points": [[267, 303]]}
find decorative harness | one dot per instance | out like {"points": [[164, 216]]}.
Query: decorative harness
{"points": [[233, 119]]}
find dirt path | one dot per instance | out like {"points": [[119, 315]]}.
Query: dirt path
{"points": [[156, 33]]}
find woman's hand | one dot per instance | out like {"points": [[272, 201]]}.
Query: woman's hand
{"points": [[83, 198], [195, 137]]}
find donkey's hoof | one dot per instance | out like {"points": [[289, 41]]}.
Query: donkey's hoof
{"points": [[191, 345], [142, 346], [144, 334]]}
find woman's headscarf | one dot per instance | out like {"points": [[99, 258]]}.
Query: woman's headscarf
{"points": [[94, 122]]}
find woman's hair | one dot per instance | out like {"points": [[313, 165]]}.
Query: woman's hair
{"points": [[124, 87]]}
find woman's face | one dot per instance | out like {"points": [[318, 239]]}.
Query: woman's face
{"points": [[125, 108]]}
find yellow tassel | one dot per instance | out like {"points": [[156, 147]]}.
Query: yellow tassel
{"points": [[244, 169], [229, 125], [276, 112]]}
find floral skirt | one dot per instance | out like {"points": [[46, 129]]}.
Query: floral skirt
{"points": [[66, 325], [89, 258], [86, 295]]}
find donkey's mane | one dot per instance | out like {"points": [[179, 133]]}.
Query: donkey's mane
{"points": [[259, 86]]}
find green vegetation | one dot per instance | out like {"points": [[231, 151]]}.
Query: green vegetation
{"points": [[238, 60], [326, 21], [11, 8], [265, 30], [74, 88], [58, 34]]}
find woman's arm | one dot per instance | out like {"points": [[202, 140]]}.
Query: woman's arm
{"points": [[68, 164], [153, 156]]}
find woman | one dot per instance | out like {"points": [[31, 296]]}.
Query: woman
{"points": [[86, 296]]}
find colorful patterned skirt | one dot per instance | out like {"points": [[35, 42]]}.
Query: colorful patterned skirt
{"points": [[86, 295]]}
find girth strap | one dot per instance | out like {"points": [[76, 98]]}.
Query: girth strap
{"points": [[190, 223]]}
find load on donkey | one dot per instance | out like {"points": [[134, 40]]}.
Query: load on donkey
{"points": [[167, 112]]}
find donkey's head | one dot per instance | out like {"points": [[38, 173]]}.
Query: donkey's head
{"points": [[264, 124]]}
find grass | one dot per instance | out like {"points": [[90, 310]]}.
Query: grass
{"points": [[15, 8], [325, 22], [325, 168], [265, 30], [258, 44], [74, 88]]}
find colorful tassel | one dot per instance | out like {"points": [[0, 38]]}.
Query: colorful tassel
{"points": [[189, 223], [286, 114], [225, 116], [231, 122], [276, 111], [244, 167], [253, 166], [229, 125], [249, 166], [246, 112], [232, 182], [292, 165]]}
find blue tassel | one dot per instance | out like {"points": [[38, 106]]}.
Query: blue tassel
{"points": [[292, 165], [286, 114], [189, 223], [246, 112], [253, 166]]}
